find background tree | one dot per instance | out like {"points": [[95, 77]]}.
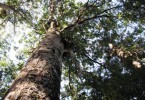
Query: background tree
{"points": [[103, 40]]}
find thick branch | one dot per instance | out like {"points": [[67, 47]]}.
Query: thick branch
{"points": [[83, 21], [98, 15]]}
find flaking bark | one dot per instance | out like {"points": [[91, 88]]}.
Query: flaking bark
{"points": [[40, 78]]}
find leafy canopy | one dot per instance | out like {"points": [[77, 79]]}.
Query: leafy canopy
{"points": [[106, 37]]}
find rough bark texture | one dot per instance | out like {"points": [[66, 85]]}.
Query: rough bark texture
{"points": [[41, 76]]}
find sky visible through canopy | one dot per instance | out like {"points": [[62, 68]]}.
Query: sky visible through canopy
{"points": [[22, 39]]}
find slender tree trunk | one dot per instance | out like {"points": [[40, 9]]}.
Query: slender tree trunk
{"points": [[41, 76]]}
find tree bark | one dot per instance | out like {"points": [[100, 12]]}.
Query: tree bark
{"points": [[40, 78]]}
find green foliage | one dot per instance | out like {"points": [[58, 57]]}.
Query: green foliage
{"points": [[88, 28], [134, 9]]}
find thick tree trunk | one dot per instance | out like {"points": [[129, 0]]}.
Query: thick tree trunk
{"points": [[41, 76]]}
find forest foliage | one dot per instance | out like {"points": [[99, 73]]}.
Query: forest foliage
{"points": [[107, 38]]}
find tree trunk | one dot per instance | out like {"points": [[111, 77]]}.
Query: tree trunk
{"points": [[41, 76]]}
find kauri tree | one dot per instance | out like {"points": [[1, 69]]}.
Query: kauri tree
{"points": [[94, 47]]}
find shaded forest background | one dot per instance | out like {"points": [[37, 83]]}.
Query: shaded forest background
{"points": [[107, 38]]}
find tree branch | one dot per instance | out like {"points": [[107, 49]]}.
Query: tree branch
{"points": [[98, 15], [93, 60], [15, 10], [7, 7]]}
